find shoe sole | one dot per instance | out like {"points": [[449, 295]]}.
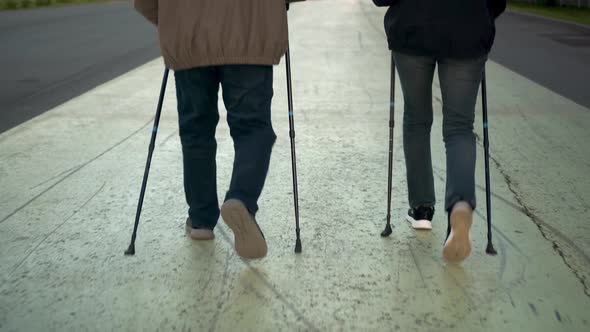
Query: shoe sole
{"points": [[422, 224], [458, 246], [199, 234], [248, 239]]}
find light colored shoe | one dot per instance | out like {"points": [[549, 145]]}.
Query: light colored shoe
{"points": [[201, 234], [249, 240], [458, 244], [421, 217]]}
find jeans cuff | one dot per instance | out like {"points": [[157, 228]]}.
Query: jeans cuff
{"points": [[197, 221], [249, 203], [456, 199]]}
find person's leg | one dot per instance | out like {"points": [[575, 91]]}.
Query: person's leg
{"points": [[198, 116], [459, 81], [416, 73], [247, 93]]}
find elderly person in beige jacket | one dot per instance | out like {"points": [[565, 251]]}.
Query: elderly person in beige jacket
{"points": [[232, 43]]}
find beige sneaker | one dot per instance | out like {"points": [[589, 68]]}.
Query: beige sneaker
{"points": [[458, 244], [249, 240], [200, 234]]}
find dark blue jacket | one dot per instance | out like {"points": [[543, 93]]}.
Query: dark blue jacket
{"points": [[460, 29]]}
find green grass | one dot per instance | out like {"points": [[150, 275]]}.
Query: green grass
{"points": [[23, 4], [573, 14]]}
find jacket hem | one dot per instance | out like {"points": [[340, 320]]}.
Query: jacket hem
{"points": [[241, 60]]}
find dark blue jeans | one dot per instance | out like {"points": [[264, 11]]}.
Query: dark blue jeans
{"points": [[459, 84], [247, 94]]}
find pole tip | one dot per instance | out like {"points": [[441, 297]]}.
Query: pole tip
{"points": [[387, 231], [298, 246], [490, 250], [131, 250]]}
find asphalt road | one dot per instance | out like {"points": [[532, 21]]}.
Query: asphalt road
{"points": [[52, 55], [553, 54]]}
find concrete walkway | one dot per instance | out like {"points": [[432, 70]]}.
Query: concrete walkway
{"points": [[70, 178]]}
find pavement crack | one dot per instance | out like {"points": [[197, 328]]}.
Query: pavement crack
{"points": [[418, 267], [578, 196], [53, 177], [38, 195], [76, 211], [543, 226], [466, 294], [73, 171], [169, 137], [300, 316], [360, 40], [225, 293]]}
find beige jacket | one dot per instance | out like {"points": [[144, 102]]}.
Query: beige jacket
{"points": [[197, 33]]}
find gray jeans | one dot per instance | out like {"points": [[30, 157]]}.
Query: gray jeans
{"points": [[459, 84]]}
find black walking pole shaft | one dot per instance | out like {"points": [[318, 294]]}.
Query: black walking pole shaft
{"points": [[486, 143], [387, 231], [131, 249], [298, 248]]}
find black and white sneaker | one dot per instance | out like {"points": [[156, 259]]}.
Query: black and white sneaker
{"points": [[421, 217]]}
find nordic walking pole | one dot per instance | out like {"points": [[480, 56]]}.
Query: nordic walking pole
{"points": [[293, 154], [131, 250], [486, 143], [387, 231]]}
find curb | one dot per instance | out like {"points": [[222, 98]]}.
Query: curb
{"points": [[556, 20]]}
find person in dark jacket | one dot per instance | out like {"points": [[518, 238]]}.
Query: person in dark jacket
{"points": [[456, 35]]}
